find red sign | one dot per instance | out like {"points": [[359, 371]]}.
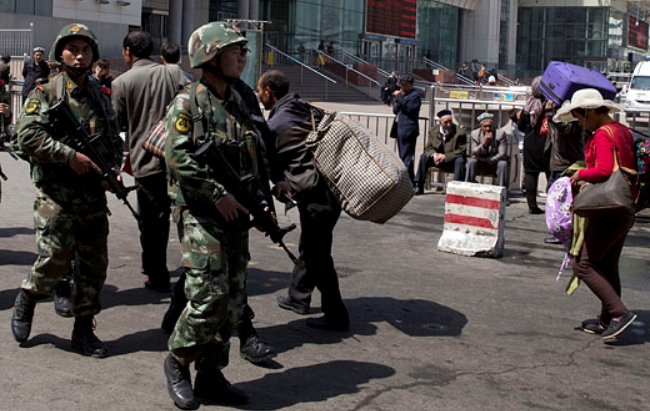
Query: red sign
{"points": [[397, 18], [637, 33]]}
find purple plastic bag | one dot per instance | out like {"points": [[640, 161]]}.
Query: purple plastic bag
{"points": [[559, 217]]}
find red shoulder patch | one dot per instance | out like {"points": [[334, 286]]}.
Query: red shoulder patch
{"points": [[40, 87]]}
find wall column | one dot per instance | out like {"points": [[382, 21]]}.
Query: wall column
{"points": [[175, 22], [188, 21]]}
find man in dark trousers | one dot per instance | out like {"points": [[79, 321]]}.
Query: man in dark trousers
{"points": [[35, 70], [407, 115], [251, 346], [445, 150], [291, 121], [140, 97]]}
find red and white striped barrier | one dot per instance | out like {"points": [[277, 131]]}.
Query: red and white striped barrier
{"points": [[474, 220]]}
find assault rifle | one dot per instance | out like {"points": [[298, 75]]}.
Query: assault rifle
{"points": [[209, 153], [77, 137]]}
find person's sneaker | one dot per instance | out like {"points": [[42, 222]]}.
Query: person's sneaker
{"points": [[22, 317], [288, 304], [323, 323], [593, 326], [62, 303], [84, 340], [255, 350], [213, 387], [618, 325], [179, 384], [535, 210]]}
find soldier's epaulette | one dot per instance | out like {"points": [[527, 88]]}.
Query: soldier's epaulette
{"points": [[40, 88]]}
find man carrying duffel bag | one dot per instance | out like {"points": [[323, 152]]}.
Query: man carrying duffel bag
{"points": [[291, 121]]}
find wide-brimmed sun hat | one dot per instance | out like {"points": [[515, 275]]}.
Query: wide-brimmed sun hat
{"points": [[585, 98]]}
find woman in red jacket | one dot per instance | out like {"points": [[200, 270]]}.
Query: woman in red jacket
{"points": [[597, 264]]}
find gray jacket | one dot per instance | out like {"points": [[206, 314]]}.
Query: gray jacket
{"points": [[140, 97], [496, 150]]}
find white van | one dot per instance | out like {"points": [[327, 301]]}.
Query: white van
{"points": [[638, 94]]}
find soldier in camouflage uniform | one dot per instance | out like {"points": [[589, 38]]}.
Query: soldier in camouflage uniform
{"points": [[70, 212], [214, 241]]}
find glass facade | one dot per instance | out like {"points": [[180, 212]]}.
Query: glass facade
{"points": [[438, 32], [307, 22], [570, 34], [35, 7], [504, 34]]}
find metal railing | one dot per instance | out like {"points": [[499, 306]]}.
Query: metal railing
{"points": [[434, 65], [282, 58], [373, 88]]}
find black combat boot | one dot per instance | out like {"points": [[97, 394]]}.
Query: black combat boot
{"points": [[21, 319], [179, 384], [62, 299], [84, 340], [251, 347], [213, 387]]}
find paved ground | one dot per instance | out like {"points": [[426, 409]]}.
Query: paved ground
{"points": [[430, 330]]}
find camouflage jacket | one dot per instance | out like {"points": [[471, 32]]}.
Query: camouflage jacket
{"points": [[227, 122], [49, 156]]}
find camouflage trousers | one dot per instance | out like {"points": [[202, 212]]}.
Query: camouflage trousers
{"points": [[67, 231], [215, 260]]}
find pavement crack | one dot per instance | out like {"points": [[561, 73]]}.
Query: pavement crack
{"points": [[367, 400]]}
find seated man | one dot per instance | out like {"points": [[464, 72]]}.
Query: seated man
{"points": [[488, 151], [445, 150]]}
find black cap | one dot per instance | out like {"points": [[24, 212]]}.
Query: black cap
{"points": [[443, 113], [407, 78]]}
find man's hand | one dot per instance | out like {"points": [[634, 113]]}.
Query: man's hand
{"points": [[438, 158], [105, 184], [487, 137], [281, 187], [81, 164], [396, 93], [5, 111], [229, 207]]}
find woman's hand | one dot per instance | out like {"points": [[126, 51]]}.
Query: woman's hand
{"points": [[575, 179]]}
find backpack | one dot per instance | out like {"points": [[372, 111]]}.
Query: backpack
{"points": [[559, 216]]}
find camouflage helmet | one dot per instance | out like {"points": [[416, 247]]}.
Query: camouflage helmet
{"points": [[210, 39], [73, 30]]}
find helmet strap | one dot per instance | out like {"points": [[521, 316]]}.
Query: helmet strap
{"points": [[75, 71]]}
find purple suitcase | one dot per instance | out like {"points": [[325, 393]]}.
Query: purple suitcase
{"points": [[560, 80]]}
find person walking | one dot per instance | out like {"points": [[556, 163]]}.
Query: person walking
{"points": [[141, 96], [407, 116], [70, 212], [290, 119], [534, 124], [597, 265], [215, 225]]}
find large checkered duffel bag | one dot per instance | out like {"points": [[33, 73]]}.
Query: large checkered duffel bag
{"points": [[368, 178]]}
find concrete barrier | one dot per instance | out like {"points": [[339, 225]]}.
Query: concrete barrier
{"points": [[474, 220]]}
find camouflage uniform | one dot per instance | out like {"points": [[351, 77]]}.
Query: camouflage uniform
{"points": [[215, 253], [70, 211]]}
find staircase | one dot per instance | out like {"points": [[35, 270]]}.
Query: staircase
{"points": [[312, 87]]}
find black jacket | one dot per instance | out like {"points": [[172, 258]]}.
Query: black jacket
{"points": [[290, 122]]}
